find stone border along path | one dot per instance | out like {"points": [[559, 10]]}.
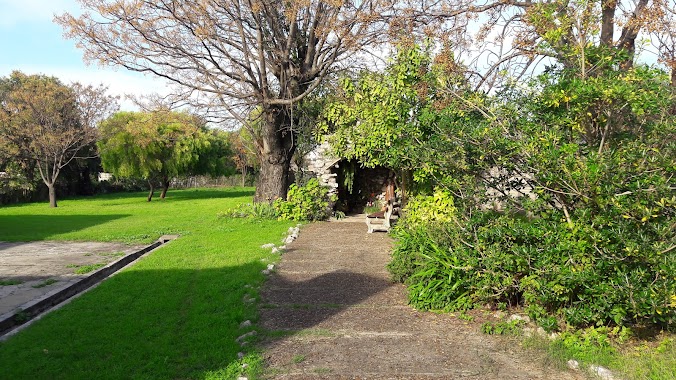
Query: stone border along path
{"points": [[46, 279], [330, 311]]}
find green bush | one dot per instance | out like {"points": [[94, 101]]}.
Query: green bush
{"points": [[591, 241], [432, 209], [251, 210], [305, 203], [541, 264]]}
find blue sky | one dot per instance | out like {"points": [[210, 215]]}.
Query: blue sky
{"points": [[32, 43]]}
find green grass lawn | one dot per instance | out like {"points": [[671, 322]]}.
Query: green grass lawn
{"points": [[175, 314]]}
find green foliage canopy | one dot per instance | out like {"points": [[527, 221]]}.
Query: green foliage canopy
{"points": [[580, 165], [161, 145]]}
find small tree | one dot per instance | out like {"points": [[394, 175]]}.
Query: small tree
{"points": [[157, 146], [46, 124], [243, 152]]}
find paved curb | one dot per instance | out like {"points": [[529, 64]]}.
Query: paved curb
{"points": [[31, 309]]}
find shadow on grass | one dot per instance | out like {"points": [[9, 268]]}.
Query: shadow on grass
{"points": [[162, 324], [42, 227]]}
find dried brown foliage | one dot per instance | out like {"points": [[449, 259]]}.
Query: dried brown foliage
{"points": [[46, 124]]}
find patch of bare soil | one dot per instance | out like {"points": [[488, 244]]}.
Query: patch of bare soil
{"points": [[331, 312]]}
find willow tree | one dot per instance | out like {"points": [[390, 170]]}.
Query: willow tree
{"points": [[160, 145], [230, 57]]}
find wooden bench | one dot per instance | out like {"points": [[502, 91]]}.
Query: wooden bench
{"points": [[382, 220]]}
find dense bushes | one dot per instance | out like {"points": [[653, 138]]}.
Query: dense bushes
{"points": [[555, 272], [309, 202], [563, 202]]}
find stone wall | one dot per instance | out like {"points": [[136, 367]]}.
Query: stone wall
{"points": [[320, 162]]}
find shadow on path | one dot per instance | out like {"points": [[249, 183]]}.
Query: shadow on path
{"points": [[330, 312]]}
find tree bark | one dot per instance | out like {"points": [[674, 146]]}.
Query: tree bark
{"points": [[243, 175], [276, 152], [629, 34], [152, 191], [52, 195], [608, 21], [165, 187]]}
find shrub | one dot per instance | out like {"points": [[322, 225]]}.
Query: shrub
{"points": [[305, 203], [591, 241], [251, 210], [542, 264], [431, 209]]}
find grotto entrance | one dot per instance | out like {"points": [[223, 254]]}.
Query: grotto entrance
{"points": [[361, 189]]}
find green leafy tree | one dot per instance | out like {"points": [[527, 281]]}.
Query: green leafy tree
{"points": [[158, 146], [392, 118], [244, 152]]}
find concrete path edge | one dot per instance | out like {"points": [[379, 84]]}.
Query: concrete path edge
{"points": [[30, 310]]}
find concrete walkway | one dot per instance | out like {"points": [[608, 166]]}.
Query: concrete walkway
{"points": [[31, 270], [331, 312]]}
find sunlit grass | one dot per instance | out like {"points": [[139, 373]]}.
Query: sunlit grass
{"points": [[651, 358], [173, 315]]}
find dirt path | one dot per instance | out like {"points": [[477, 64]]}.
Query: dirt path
{"points": [[336, 315]]}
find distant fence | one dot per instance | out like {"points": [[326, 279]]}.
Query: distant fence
{"points": [[206, 181]]}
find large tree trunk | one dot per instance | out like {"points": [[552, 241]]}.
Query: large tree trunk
{"points": [[608, 21], [52, 195], [151, 192], [165, 187], [278, 147]]}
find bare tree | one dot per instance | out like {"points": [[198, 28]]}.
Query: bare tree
{"points": [[230, 57], [665, 41], [503, 40], [48, 123]]}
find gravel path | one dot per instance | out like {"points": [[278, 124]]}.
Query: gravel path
{"points": [[332, 313]]}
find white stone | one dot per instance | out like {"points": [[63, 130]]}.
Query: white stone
{"points": [[242, 337], [242, 378], [245, 324], [240, 355], [271, 266], [516, 317], [267, 246], [275, 250], [573, 364], [602, 373]]}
